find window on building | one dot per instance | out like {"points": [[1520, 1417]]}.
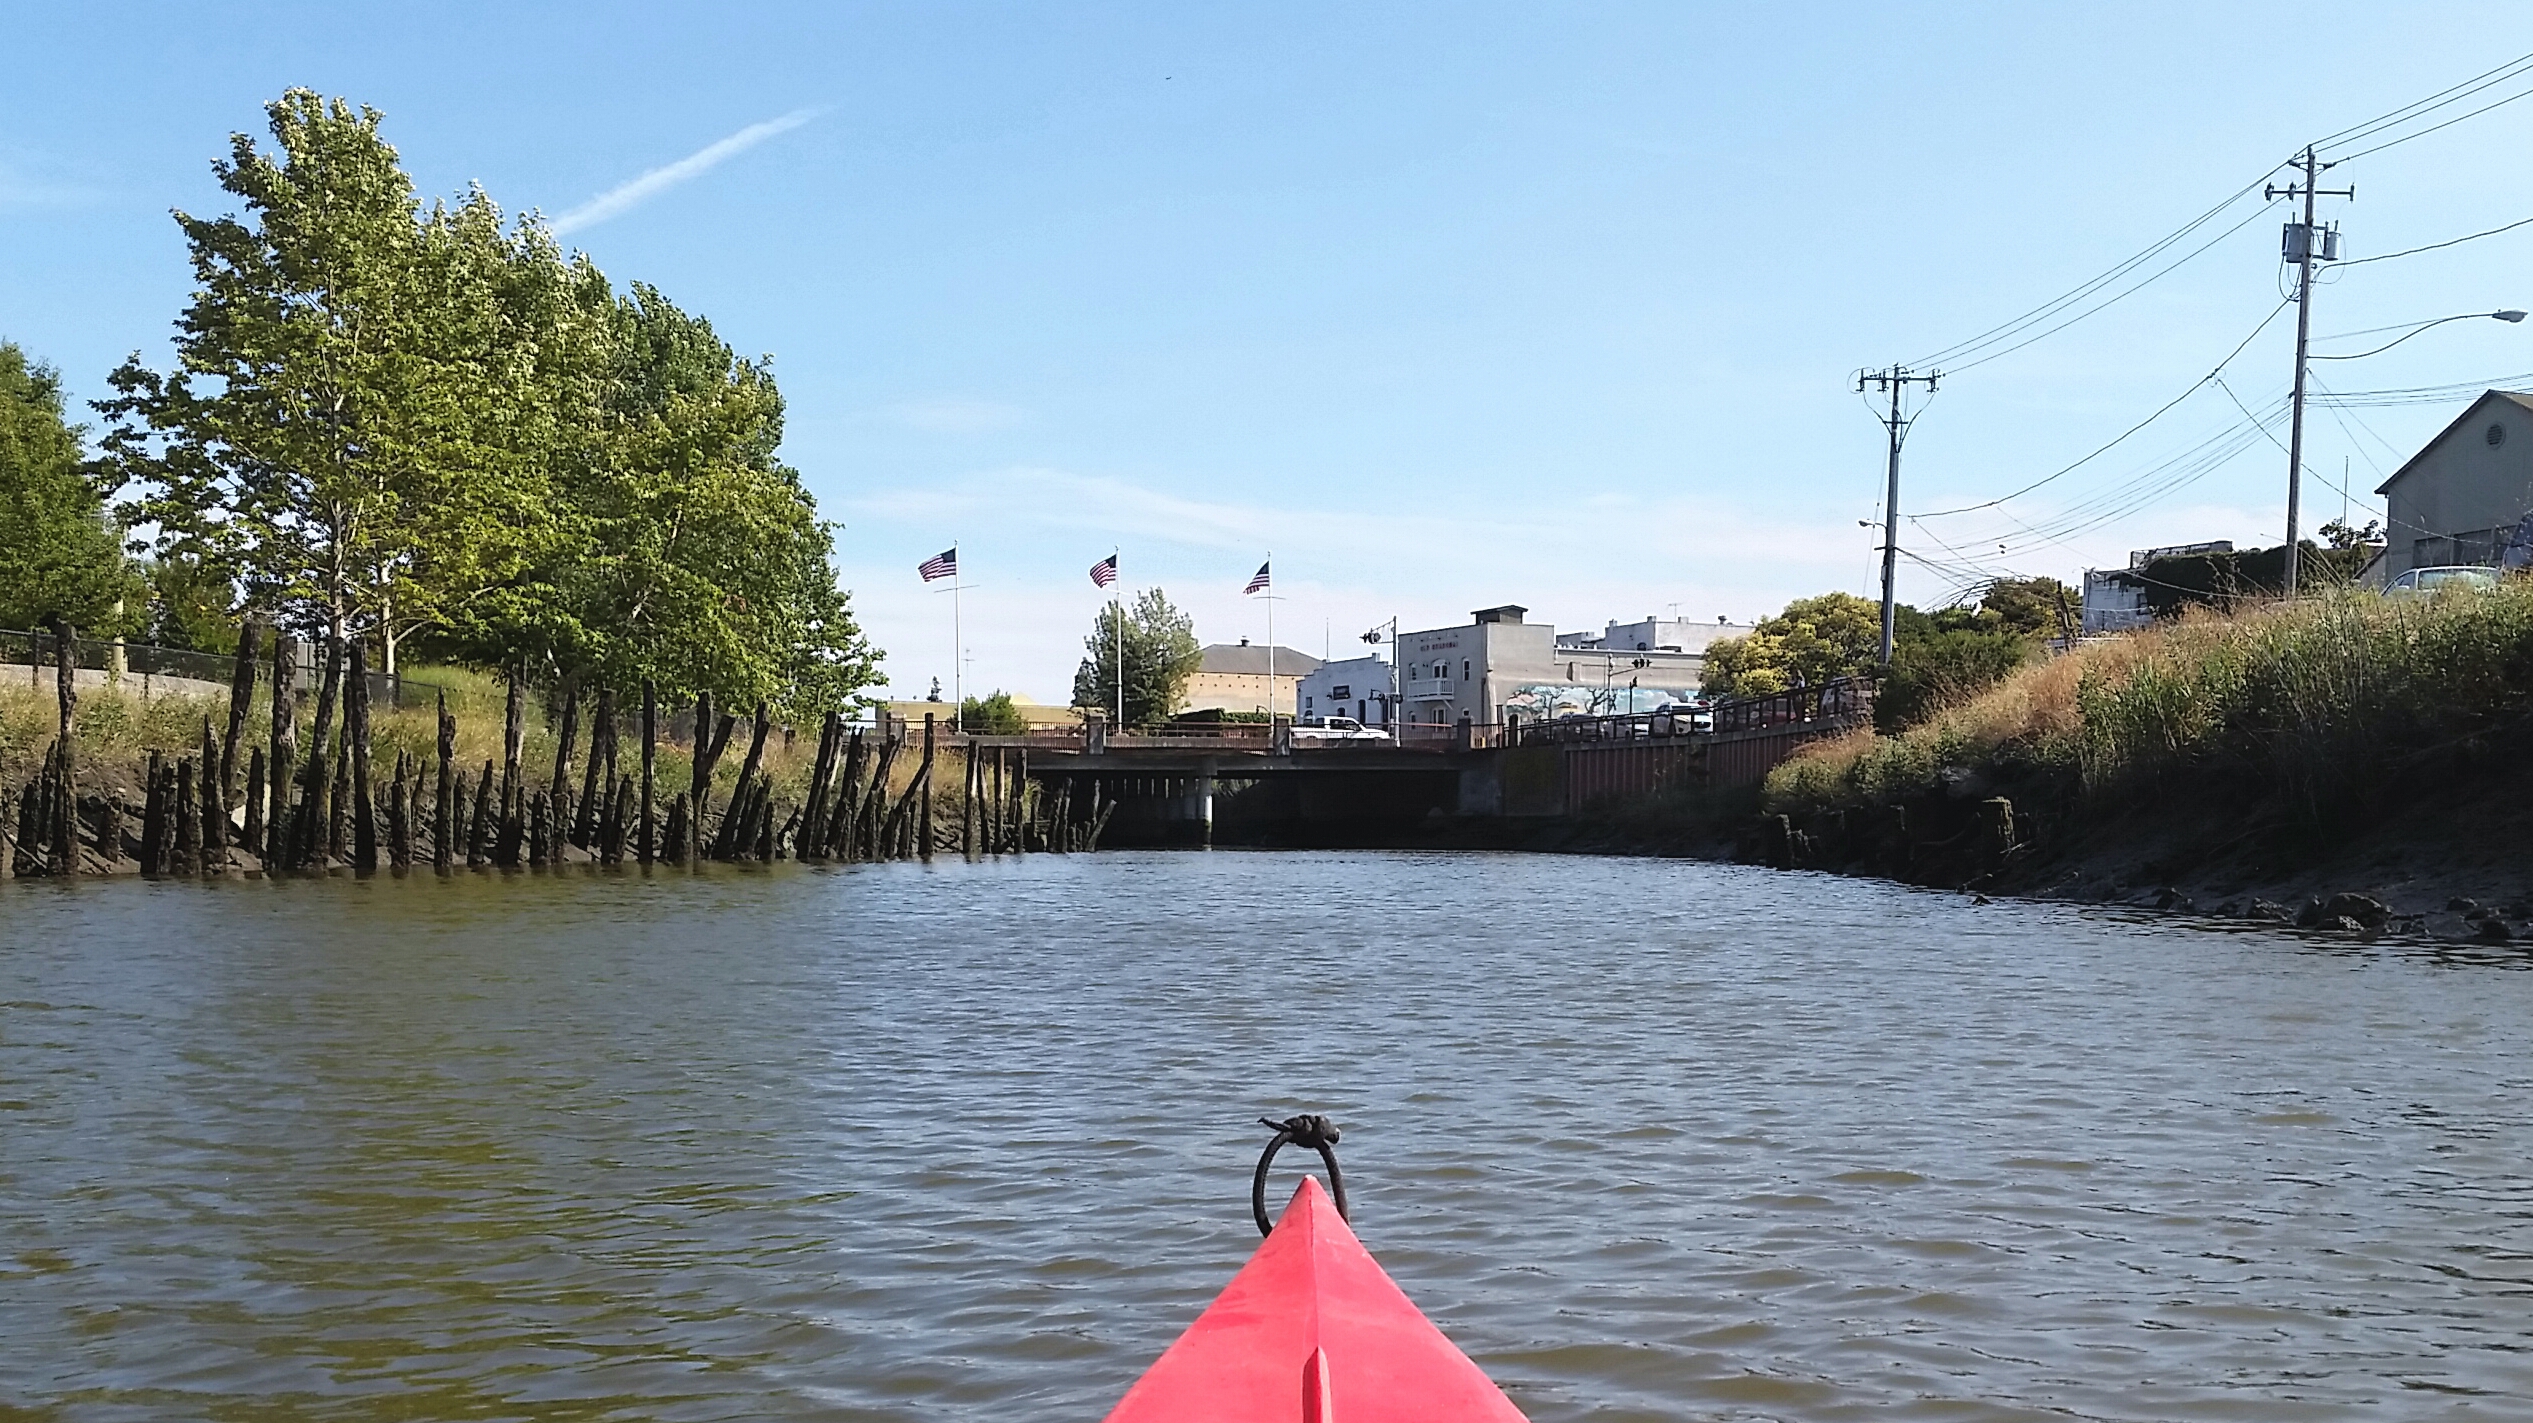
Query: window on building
{"points": [[1464, 669]]}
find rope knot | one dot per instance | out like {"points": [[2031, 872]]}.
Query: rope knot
{"points": [[1311, 1131]]}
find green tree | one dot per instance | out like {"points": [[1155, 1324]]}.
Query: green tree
{"points": [[1930, 672], [1160, 654], [61, 555], [306, 411], [1811, 641], [992, 715], [191, 605]]}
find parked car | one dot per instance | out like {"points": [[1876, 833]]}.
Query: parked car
{"points": [[1335, 728], [2427, 582], [1697, 714]]}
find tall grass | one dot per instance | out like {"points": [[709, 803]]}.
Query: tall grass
{"points": [[2321, 701]]}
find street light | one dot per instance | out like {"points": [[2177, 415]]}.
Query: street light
{"points": [[2509, 316], [1389, 708]]}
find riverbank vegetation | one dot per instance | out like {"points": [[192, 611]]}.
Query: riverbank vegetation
{"points": [[2315, 711]]}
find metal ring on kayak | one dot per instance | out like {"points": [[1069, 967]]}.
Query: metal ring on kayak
{"points": [[1315, 1132]]}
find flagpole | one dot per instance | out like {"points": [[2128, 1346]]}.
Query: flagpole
{"points": [[1270, 602], [1117, 608], [958, 650]]}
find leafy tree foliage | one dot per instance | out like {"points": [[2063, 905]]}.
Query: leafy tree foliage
{"points": [[1936, 658], [1807, 644], [426, 424], [1160, 654], [993, 715], [60, 553]]}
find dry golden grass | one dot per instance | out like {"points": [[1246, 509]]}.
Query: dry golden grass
{"points": [[2307, 696]]}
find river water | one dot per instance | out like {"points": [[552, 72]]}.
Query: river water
{"points": [[1649, 1139]]}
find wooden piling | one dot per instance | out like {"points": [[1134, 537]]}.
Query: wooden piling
{"points": [[844, 826], [675, 848], [64, 798], [213, 852], [585, 815], [619, 820], [253, 836], [338, 832], [875, 801], [250, 641], [275, 847], [184, 848], [356, 730], [399, 821], [514, 786], [647, 843], [154, 816], [813, 820], [729, 843], [923, 788], [444, 808], [560, 785], [478, 826], [306, 846], [537, 846]]}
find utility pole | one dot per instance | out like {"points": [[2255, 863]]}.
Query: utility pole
{"points": [[2301, 244], [1895, 380]]}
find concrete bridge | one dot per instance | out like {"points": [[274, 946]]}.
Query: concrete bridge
{"points": [[1236, 787]]}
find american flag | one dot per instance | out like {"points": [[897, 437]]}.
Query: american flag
{"points": [[1257, 583], [1104, 572], [944, 564]]}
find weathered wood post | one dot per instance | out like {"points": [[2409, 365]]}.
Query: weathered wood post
{"points": [[1020, 805], [844, 824], [675, 849], [592, 789], [729, 844], [537, 828], [250, 644], [478, 827], [253, 836], [875, 801], [64, 828], [311, 821], [813, 810], [514, 789], [444, 812], [620, 819], [356, 729], [645, 849], [184, 854], [338, 837], [923, 788], [214, 850], [399, 821], [561, 783], [971, 773], [275, 847], [154, 816], [1996, 824]]}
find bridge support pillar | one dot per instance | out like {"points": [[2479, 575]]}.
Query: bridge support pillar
{"points": [[1205, 801]]}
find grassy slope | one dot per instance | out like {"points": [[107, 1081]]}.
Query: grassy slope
{"points": [[2343, 739]]}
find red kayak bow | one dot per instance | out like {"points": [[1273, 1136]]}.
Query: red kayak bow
{"points": [[1313, 1329]]}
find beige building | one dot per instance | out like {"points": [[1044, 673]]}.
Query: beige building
{"points": [[1235, 677], [2461, 496]]}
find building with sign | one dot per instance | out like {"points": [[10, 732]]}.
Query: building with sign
{"points": [[1499, 668], [1358, 687]]}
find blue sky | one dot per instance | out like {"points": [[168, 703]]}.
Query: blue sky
{"points": [[1445, 305]]}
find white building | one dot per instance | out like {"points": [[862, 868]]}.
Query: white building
{"points": [[1358, 687], [2115, 598], [1652, 634], [1498, 668]]}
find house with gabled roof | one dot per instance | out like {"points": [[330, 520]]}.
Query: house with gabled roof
{"points": [[2460, 497]]}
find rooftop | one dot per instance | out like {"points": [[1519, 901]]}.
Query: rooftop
{"points": [[1244, 659]]}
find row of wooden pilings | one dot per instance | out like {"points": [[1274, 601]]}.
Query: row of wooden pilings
{"points": [[324, 810]]}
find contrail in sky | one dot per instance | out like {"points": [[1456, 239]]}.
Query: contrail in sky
{"points": [[626, 196]]}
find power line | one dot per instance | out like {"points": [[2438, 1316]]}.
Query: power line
{"points": [[2414, 251], [2116, 440], [2422, 133], [2455, 94], [2048, 309]]}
